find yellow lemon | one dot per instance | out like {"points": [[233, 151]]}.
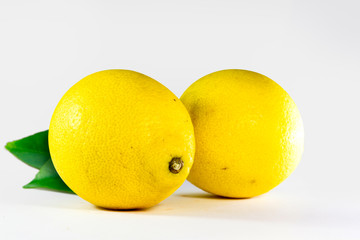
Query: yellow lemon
{"points": [[121, 140], [248, 131]]}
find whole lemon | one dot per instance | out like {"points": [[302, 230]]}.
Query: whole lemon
{"points": [[248, 131], [121, 140]]}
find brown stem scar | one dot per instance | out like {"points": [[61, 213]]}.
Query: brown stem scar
{"points": [[175, 165]]}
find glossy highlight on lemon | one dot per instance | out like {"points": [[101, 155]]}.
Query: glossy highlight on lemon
{"points": [[249, 133], [121, 140]]}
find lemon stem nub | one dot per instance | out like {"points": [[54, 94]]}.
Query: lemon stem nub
{"points": [[176, 165]]}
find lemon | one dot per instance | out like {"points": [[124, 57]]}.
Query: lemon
{"points": [[248, 131], [121, 140]]}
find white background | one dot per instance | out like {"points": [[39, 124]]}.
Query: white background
{"points": [[311, 48]]}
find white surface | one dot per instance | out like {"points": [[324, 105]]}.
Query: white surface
{"points": [[188, 214], [311, 48]]}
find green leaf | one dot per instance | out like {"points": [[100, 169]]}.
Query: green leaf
{"points": [[32, 150], [48, 178]]}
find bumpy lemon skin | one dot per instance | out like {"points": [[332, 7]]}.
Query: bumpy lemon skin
{"points": [[249, 133], [112, 136]]}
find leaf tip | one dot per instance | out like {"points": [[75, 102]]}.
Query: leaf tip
{"points": [[9, 146], [29, 185]]}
